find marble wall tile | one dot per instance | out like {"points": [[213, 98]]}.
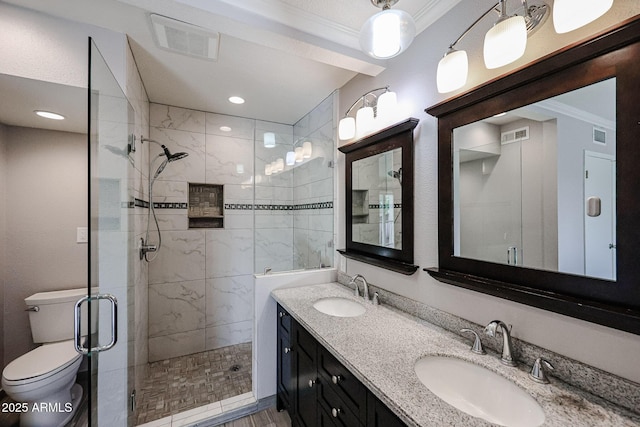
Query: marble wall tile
{"points": [[169, 220], [273, 194], [229, 300], [229, 160], [229, 252], [273, 219], [230, 334], [240, 126], [181, 258], [177, 307], [274, 249], [168, 346], [191, 168], [168, 117]]}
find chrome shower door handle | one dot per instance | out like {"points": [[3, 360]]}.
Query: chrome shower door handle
{"points": [[77, 324]]}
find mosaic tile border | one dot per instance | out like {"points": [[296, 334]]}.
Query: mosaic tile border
{"points": [[380, 206], [238, 206]]}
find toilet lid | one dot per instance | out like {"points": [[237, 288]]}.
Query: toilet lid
{"points": [[43, 361]]}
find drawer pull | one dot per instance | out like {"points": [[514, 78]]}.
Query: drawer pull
{"points": [[312, 383], [335, 412], [282, 314], [336, 379], [287, 349]]}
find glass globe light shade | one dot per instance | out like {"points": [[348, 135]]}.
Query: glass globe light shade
{"points": [[279, 165], [290, 159], [347, 128], [569, 15], [306, 150], [364, 120], [268, 168], [453, 70], [269, 139], [298, 154], [505, 42], [386, 109], [387, 33]]}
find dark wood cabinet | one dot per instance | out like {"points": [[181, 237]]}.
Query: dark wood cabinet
{"points": [[378, 415], [316, 389]]}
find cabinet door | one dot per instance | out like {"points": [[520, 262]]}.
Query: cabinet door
{"points": [[378, 415], [306, 377], [284, 371]]}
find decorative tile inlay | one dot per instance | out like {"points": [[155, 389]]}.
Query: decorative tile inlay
{"points": [[244, 206]]}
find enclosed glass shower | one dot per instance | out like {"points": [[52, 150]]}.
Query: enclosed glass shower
{"points": [[250, 197]]}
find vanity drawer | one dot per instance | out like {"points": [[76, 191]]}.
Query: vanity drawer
{"points": [[284, 320], [334, 408], [350, 390]]}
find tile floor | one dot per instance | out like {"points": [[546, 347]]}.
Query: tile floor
{"points": [[184, 383], [269, 417]]}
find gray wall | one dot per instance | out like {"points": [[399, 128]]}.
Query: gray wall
{"points": [[413, 76], [3, 233], [44, 203]]}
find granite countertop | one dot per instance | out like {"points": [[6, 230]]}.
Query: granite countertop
{"points": [[381, 347]]}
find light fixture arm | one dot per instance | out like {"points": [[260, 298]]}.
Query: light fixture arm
{"points": [[465, 32], [500, 8], [363, 97]]}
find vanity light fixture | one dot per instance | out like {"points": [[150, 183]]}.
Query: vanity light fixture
{"points": [[387, 33], [376, 112], [569, 15], [298, 154], [49, 115], [506, 41]]}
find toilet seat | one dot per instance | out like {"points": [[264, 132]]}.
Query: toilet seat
{"points": [[41, 363]]}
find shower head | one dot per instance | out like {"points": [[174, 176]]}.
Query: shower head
{"points": [[396, 174], [165, 151], [175, 156]]}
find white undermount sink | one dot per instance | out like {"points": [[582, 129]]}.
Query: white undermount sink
{"points": [[339, 307], [479, 392]]}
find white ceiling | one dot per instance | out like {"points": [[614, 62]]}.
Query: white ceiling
{"points": [[282, 56]]}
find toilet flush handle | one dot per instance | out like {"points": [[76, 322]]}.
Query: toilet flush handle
{"points": [[34, 308]]}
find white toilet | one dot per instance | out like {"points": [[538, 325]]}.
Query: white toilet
{"points": [[44, 378]]}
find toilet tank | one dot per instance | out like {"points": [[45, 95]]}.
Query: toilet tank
{"points": [[53, 320]]}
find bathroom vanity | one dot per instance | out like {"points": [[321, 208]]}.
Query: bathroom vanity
{"points": [[361, 370], [316, 389]]}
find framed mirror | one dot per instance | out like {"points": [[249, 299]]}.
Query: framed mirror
{"points": [[379, 198], [537, 183]]}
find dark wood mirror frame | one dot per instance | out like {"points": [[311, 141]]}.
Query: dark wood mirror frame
{"points": [[613, 53], [399, 135]]}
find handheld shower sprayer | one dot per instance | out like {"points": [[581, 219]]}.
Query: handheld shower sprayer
{"points": [[145, 246]]}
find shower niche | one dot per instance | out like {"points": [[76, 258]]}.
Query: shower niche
{"points": [[206, 206]]}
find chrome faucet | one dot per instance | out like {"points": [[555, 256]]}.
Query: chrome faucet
{"points": [[507, 346], [365, 286]]}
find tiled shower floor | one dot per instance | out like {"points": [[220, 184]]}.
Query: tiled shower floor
{"points": [[182, 383]]}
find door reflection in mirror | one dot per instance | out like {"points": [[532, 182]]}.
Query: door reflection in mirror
{"points": [[523, 180]]}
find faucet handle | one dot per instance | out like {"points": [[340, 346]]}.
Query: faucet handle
{"points": [[537, 371], [477, 343], [376, 299]]}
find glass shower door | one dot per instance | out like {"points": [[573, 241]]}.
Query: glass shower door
{"points": [[110, 248]]}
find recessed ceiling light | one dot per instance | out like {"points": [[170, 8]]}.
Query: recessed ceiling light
{"points": [[225, 128], [49, 115], [236, 100]]}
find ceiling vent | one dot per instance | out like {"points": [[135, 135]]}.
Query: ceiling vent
{"points": [[515, 135], [184, 38]]}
